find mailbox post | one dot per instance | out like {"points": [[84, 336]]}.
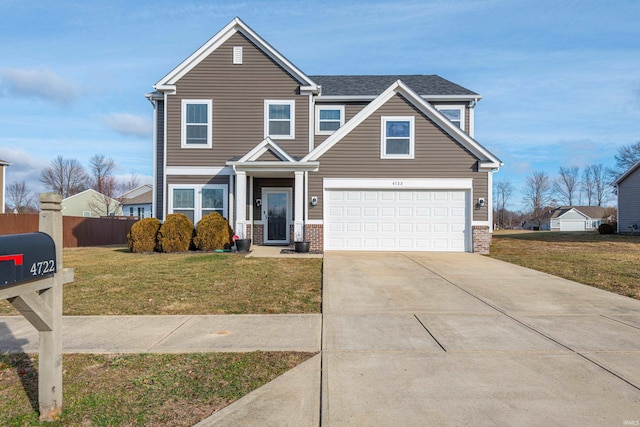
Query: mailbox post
{"points": [[31, 278]]}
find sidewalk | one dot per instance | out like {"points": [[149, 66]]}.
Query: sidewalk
{"points": [[171, 334]]}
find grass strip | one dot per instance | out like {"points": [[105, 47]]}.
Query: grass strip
{"points": [[138, 389]]}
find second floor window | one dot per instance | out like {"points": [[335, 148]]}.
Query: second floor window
{"points": [[397, 138], [329, 119], [196, 123], [455, 114], [279, 120]]}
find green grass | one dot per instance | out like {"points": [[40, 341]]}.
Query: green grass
{"points": [[605, 261], [140, 389], [113, 281]]}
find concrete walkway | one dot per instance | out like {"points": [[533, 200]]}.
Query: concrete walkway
{"points": [[412, 339]]}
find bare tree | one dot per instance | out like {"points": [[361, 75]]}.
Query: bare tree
{"points": [[567, 184], [588, 190], [103, 204], [537, 195], [65, 177], [600, 189], [102, 173], [627, 156], [20, 198], [128, 184], [502, 192]]}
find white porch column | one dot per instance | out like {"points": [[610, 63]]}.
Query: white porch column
{"points": [[241, 204], [298, 224]]}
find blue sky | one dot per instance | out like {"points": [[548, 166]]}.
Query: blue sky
{"points": [[560, 80]]}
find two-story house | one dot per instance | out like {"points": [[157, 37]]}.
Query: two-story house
{"points": [[381, 163]]}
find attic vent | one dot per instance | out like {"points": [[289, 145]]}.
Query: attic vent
{"points": [[237, 54]]}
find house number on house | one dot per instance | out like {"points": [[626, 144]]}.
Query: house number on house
{"points": [[397, 183]]}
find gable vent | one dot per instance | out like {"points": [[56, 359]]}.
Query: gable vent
{"points": [[237, 54]]}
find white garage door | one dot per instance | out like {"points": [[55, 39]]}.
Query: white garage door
{"points": [[392, 220], [578, 225]]}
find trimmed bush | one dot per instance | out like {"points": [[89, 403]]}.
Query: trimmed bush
{"points": [[175, 234], [606, 229], [213, 232], [143, 235]]}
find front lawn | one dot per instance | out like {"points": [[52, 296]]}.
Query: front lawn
{"points": [[138, 389], [606, 261], [113, 281]]}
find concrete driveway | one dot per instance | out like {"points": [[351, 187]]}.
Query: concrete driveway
{"points": [[417, 339]]}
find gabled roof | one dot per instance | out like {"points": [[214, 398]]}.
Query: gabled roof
{"points": [[4, 163], [425, 85], [140, 195], [627, 173], [486, 158], [589, 212], [167, 83], [87, 192], [267, 144], [253, 161], [141, 199]]}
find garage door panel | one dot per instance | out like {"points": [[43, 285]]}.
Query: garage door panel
{"points": [[405, 220]]}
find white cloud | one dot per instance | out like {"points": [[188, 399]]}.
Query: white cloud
{"points": [[129, 124], [41, 83], [24, 167]]}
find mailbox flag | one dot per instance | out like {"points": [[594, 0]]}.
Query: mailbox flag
{"points": [[17, 259]]}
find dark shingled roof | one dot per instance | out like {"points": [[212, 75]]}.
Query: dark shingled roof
{"points": [[375, 85]]}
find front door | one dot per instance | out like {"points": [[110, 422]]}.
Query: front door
{"points": [[276, 216]]}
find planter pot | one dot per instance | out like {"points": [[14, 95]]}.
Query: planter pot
{"points": [[302, 247], [243, 245]]}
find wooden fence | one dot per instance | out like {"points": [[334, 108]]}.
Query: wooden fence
{"points": [[77, 231]]}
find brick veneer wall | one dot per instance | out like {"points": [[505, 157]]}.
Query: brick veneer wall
{"points": [[313, 233], [481, 239]]}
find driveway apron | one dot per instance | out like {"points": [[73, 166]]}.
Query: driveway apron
{"points": [[418, 339]]}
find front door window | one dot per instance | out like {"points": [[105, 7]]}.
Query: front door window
{"points": [[277, 217]]}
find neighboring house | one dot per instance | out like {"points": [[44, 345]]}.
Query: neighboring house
{"points": [[628, 189], [138, 202], [573, 218], [90, 203], [347, 162], [3, 180]]}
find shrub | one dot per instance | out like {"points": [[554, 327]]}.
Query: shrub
{"points": [[213, 232], [606, 229], [143, 235], [175, 234]]}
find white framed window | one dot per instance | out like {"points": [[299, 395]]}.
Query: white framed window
{"points": [[86, 214], [279, 119], [197, 123], [196, 201], [455, 114], [329, 118], [397, 137]]}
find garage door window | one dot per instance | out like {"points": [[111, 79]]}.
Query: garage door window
{"points": [[397, 138]]}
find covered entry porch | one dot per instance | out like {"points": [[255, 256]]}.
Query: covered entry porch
{"points": [[270, 197]]}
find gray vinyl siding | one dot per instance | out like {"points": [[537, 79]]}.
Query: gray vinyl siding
{"points": [[629, 203], [238, 93], [437, 155], [159, 160]]}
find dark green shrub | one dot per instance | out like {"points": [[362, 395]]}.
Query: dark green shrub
{"points": [[606, 229], [213, 232], [143, 235], [175, 234]]}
